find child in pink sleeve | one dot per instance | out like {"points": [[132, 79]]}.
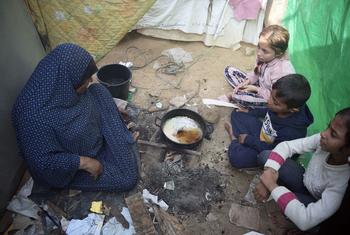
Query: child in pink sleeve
{"points": [[254, 89]]}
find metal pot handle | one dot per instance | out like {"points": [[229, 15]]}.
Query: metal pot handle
{"points": [[156, 121]]}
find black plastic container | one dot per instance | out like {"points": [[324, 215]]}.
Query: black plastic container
{"points": [[116, 78]]}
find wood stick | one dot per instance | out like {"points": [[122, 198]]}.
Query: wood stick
{"points": [[169, 224], [158, 145], [140, 216]]}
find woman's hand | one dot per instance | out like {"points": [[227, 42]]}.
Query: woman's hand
{"points": [[249, 88], [91, 165], [124, 114], [261, 193], [269, 178]]}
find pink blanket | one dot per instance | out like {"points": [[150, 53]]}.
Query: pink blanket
{"points": [[245, 9]]}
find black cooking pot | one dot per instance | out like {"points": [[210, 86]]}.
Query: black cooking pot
{"points": [[182, 113]]}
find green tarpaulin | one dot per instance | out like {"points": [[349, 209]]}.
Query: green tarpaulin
{"points": [[319, 49]]}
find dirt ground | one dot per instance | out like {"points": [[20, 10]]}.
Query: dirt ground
{"points": [[203, 188], [206, 185]]}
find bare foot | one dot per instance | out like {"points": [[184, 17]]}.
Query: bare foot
{"points": [[228, 128], [136, 135], [281, 221]]}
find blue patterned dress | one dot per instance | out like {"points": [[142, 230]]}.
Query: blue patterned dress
{"points": [[55, 126]]}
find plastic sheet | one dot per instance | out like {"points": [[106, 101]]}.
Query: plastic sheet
{"points": [[319, 49]]}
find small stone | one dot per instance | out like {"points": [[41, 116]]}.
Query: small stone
{"points": [[190, 94], [156, 65], [249, 51], [178, 101], [159, 105], [211, 217], [169, 185], [132, 89], [154, 93], [236, 46], [210, 115]]}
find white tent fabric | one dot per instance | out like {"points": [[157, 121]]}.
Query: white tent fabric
{"points": [[210, 21]]}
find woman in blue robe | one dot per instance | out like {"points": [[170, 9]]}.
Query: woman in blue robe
{"points": [[71, 136]]}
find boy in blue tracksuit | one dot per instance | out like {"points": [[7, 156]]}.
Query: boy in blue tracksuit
{"points": [[285, 118]]}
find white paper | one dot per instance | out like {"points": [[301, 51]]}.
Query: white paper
{"points": [[26, 189], [148, 197], [24, 206], [253, 233], [91, 225], [219, 103], [113, 227]]}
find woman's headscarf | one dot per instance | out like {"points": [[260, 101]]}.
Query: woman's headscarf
{"points": [[55, 125]]}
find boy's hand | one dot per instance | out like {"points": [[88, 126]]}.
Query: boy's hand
{"points": [[250, 88], [241, 138], [261, 193], [269, 178], [243, 110]]}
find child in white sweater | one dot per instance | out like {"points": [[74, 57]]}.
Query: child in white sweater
{"points": [[320, 190]]}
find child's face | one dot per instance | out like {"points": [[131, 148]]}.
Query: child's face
{"points": [[265, 53], [277, 105], [333, 138]]}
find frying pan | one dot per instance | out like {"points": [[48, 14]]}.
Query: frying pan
{"points": [[182, 113]]}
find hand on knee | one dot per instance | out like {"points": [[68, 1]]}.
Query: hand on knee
{"points": [[261, 193]]}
